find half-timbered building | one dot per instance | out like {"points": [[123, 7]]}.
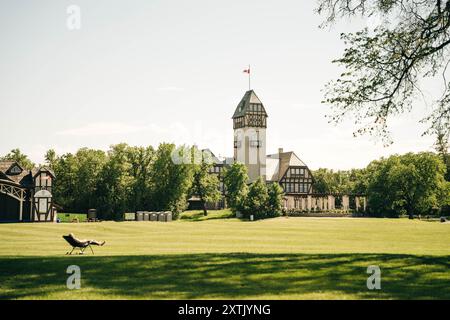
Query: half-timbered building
{"points": [[285, 168], [25, 195]]}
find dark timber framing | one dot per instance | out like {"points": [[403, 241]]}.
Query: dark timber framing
{"points": [[297, 180], [32, 189]]}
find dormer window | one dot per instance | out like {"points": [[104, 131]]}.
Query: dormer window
{"points": [[14, 170]]}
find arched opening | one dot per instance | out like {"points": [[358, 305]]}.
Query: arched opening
{"points": [[43, 209]]}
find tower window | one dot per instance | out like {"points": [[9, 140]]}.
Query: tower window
{"points": [[256, 143]]}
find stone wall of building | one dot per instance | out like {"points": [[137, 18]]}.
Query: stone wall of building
{"points": [[324, 203]]}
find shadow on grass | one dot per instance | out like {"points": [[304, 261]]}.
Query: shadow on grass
{"points": [[201, 217], [227, 276]]}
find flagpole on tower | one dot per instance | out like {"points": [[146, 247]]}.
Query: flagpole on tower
{"points": [[247, 71], [249, 87]]}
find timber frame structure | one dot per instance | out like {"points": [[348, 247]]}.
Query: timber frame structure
{"points": [[285, 168], [26, 195]]}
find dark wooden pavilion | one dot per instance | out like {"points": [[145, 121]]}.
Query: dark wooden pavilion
{"points": [[25, 195]]}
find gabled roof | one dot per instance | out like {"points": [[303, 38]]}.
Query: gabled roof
{"points": [[5, 165], [36, 171], [249, 98], [21, 179], [275, 171], [272, 168], [220, 160], [214, 159]]}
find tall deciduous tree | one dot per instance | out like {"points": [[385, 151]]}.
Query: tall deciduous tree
{"points": [[235, 181], [410, 183], [171, 180], [141, 164], [77, 178], [275, 200], [51, 158], [115, 183], [352, 181], [384, 65], [205, 185], [442, 146], [257, 199]]}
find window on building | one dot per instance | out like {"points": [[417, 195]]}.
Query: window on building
{"points": [[289, 187], [297, 203]]}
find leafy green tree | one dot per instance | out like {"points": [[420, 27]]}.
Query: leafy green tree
{"points": [[358, 181], [171, 179], [235, 181], [442, 146], [65, 169], [205, 185], [22, 159], [275, 200], [410, 183], [326, 181], [51, 158], [384, 65], [257, 199], [76, 178], [353, 181], [114, 183], [89, 166], [141, 165]]}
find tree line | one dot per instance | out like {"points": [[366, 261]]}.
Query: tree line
{"points": [[412, 184], [127, 178]]}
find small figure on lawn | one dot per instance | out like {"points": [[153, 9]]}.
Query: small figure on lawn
{"points": [[81, 244]]}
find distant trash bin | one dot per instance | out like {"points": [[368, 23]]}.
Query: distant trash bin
{"points": [[162, 216], [146, 216], [140, 216], [169, 216], [130, 216], [92, 214], [153, 216], [251, 217]]}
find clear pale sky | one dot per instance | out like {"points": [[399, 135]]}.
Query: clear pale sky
{"points": [[144, 72]]}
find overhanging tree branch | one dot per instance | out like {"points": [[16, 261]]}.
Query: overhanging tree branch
{"points": [[383, 66]]}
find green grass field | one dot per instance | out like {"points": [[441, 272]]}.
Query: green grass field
{"points": [[283, 258]]}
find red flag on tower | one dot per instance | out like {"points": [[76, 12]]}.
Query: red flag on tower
{"points": [[247, 71]]}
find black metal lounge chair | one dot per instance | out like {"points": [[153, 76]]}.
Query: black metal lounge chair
{"points": [[75, 243]]}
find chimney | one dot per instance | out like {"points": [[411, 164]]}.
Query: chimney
{"points": [[280, 150]]}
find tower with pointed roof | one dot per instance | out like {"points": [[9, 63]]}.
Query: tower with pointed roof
{"points": [[249, 124], [284, 168]]}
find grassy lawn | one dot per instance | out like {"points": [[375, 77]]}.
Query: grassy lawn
{"points": [[283, 258]]}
